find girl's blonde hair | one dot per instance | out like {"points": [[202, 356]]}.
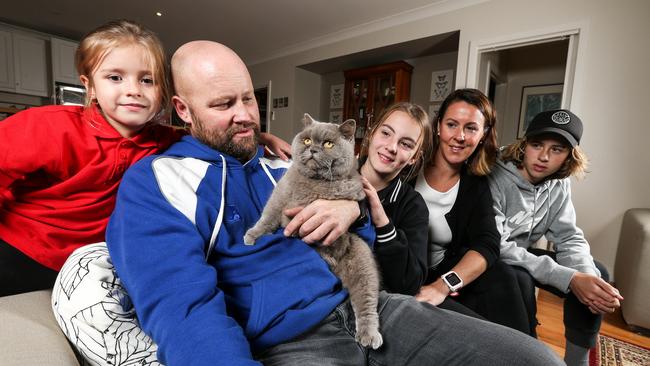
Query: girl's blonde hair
{"points": [[96, 45], [485, 155], [576, 163], [424, 145]]}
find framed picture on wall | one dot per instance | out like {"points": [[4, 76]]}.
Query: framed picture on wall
{"points": [[336, 96], [336, 116], [433, 110], [441, 85], [536, 99]]}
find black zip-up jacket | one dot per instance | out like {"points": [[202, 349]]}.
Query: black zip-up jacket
{"points": [[401, 247], [472, 224]]}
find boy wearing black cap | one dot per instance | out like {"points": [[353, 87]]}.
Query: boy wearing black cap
{"points": [[532, 198]]}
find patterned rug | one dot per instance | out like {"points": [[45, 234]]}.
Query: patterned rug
{"points": [[614, 352]]}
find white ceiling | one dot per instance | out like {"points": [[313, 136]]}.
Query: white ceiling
{"points": [[257, 29]]}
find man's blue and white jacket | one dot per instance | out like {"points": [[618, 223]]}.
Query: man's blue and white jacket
{"points": [[174, 208]]}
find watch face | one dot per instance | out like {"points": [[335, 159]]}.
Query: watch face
{"points": [[452, 279]]}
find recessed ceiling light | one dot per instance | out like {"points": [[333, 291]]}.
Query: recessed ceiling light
{"points": [[158, 13]]}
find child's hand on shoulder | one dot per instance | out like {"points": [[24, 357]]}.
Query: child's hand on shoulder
{"points": [[276, 145]]}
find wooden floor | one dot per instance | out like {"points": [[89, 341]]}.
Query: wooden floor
{"points": [[551, 328]]}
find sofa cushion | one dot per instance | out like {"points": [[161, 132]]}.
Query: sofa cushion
{"points": [[29, 335], [632, 269]]}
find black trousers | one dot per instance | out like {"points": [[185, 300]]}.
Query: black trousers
{"points": [[495, 295], [19, 273], [580, 324], [505, 295]]}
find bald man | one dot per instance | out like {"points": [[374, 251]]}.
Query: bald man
{"points": [[176, 241]]}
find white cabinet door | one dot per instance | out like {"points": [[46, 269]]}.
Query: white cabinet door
{"points": [[30, 65], [6, 62], [63, 63]]}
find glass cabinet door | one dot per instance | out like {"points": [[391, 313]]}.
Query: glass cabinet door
{"points": [[357, 107], [383, 95], [370, 90]]}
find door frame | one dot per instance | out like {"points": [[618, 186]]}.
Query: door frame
{"points": [[575, 32]]}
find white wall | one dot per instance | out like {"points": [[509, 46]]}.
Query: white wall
{"points": [[421, 77], [329, 79], [610, 91], [307, 95]]}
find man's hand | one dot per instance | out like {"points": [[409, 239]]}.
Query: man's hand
{"points": [[322, 220], [596, 293], [434, 293], [276, 145]]}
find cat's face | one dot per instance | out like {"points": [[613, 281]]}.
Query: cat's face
{"points": [[324, 150]]}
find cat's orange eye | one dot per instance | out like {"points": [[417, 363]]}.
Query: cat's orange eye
{"points": [[328, 144], [306, 141]]}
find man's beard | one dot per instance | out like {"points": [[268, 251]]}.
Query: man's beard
{"points": [[243, 150]]}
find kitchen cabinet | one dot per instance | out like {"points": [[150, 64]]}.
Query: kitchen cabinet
{"points": [[6, 62], [23, 64], [63, 61], [369, 90]]}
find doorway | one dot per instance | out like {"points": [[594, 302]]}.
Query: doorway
{"points": [[524, 81], [524, 75], [263, 96]]}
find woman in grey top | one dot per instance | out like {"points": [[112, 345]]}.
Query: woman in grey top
{"points": [[532, 198]]}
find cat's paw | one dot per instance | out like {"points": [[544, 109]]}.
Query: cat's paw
{"points": [[249, 238], [369, 338]]}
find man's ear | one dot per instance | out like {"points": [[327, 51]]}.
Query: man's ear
{"points": [[182, 109]]}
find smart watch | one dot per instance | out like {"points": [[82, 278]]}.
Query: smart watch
{"points": [[453, 281]]}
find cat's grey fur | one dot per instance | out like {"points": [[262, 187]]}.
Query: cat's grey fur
{"points": [[318, 172]]}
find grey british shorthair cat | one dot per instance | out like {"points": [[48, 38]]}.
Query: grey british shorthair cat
{"points": [[324, 167]]}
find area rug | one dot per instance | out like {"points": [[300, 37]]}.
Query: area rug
{"points": [[614, 352]]}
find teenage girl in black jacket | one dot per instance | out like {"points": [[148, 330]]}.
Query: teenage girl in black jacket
{"points": [[393, 151]]}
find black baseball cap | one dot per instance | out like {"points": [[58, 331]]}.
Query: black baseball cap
{"points": [[560, 121]]}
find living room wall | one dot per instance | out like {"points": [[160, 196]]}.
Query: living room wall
{"points": [[610, 90]]}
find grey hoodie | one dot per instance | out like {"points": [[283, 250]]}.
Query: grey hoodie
{"points": [[524, 212]]}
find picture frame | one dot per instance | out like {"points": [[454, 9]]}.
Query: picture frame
{"points": [[433, 110], [536, 99], [442, 84], [336, 117], [336, 96]]}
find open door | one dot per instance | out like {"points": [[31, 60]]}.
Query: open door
{"points": [[263, 97]]}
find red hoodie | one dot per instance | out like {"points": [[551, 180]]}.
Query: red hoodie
{"points": [[60, 167]]}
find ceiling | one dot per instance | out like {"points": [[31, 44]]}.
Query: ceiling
{"points": [[440, 43], [257, 29]]}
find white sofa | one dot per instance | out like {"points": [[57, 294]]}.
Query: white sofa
{"points": [[632, 268], [29, 334]]}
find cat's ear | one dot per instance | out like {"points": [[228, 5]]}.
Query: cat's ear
{"points": [[347, 129], [307, 120]]}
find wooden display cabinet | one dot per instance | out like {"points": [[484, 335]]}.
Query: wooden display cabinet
{"points": [[369, 90]]}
